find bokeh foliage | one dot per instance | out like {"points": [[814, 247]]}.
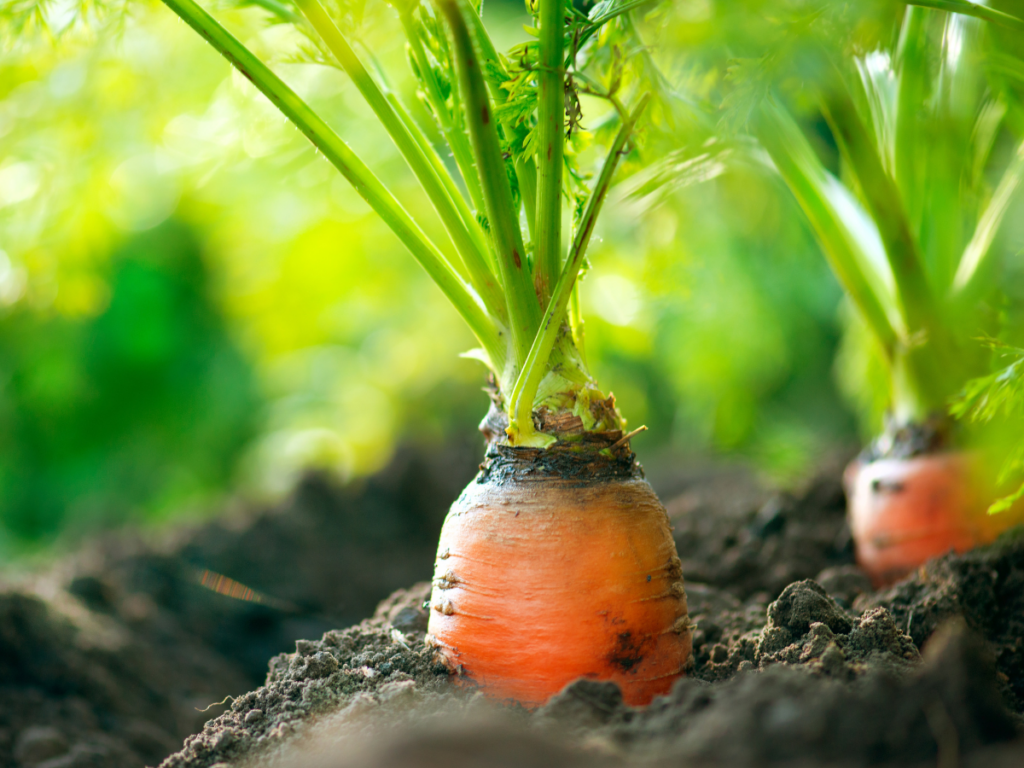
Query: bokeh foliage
{"points": [[146, 404]]}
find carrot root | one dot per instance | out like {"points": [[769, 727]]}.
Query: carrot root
{"points": [[903, 512], [575, 579]]}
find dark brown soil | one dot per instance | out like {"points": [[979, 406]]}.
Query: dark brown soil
{"points": [[797, 661], [733, 534], [107, 659], [984, 588], [820, 685], [83, 688]]}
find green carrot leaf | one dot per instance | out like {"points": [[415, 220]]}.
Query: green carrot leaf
{"points": [[978, 252], [847, 234], [976, 10]]}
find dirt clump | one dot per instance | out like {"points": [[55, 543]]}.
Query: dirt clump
{"points": [[786, 714], [984, 588], [806, 626], [369, 667], [876, 701]]}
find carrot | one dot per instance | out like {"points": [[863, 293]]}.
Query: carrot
{"points": [[558, 561], [903, 511], [547, 575], [925, 282]]}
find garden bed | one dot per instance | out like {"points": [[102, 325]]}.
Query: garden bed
{"points": [[106, 660]]}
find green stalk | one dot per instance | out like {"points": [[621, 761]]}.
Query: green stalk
{"points": [[886, 206], [973, 262], [576, 322], [479, 238], [523, 309], [351, 167], [840, 239], [526, 172], [456, 137], [550, 124], [924, 376], [965, 8], [427, 148], [909, 156], [456, 195], [920, 367], [495, 76], [488, 53], [427, 174], [520, 429]]}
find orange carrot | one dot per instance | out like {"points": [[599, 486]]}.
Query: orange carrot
{"points": [[544, 576], [904, 511]]}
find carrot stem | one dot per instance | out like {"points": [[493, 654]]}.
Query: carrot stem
{"points": [[450, 122], [369, 187], [427, 173], [973, 262], [520, 429], [886, 206], [550, 124], [523, 308], [843, 237], [965, 8]]}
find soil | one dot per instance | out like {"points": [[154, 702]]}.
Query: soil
{"points": [[105, 660]]}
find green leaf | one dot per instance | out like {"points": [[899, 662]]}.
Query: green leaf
{"points": [[979, 249], [886, 206], [691, 165], [606, 10], [965, 8], [48, 18], [881, 93], [910, 153], [999, 395], [847, 234]]}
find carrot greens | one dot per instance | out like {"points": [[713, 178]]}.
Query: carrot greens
{"points": [[909, 221], [999, 396], [512, 127]]}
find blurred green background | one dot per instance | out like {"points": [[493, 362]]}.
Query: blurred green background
{"points": [[193, 304]]}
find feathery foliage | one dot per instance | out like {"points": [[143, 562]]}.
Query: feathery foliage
{"points": [[999, 396]]}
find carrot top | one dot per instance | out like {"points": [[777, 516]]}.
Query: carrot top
{"points": [[512, 126]]}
